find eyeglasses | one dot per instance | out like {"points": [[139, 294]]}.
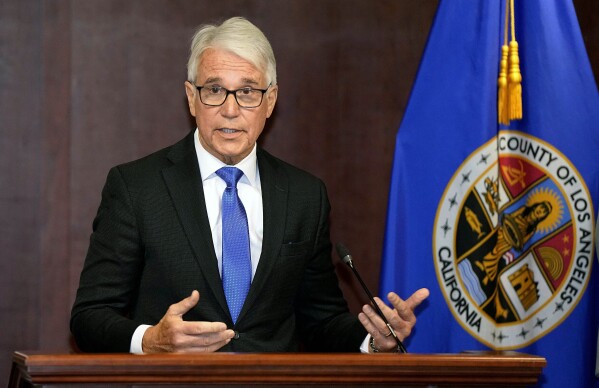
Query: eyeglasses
{"points": [[217, 95]]}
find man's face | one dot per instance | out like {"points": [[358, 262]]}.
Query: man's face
{"points": [[229, 132]]}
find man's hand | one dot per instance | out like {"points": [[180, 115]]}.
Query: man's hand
{"points": [[401, 318], [173, 334]]}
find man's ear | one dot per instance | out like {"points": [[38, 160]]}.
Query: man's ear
{"points": [[190, 92], [271, 99]]}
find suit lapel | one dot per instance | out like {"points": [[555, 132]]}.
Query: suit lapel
{"points": [[274, 200], [184, 184]]}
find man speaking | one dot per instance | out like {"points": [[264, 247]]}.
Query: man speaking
{"points": [[212, 244]]}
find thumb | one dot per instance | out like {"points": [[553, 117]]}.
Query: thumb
{"points": [[417, 297], [412, 302], [184, 305]]}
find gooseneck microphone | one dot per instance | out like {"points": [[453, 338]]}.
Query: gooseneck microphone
{"points": [[346, 257]]}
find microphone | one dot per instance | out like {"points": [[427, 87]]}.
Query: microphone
{"points": [[346, 257]]}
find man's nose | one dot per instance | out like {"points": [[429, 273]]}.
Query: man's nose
{"points": [[230, 106]]}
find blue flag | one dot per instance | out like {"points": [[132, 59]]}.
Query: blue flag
{"points": [[498, 221]]}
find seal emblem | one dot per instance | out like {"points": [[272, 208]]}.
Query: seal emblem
{"points": [[513, 240]]}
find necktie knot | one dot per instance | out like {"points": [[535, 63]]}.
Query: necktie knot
{"points": [[230, 175]]}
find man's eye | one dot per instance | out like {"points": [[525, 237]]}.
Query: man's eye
{"points": [[215, 90], [246, 91]]}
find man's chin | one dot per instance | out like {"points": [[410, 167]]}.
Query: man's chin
{"points": [[232, 156]]}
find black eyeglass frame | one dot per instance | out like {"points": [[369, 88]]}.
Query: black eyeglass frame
{"points": [[234, 93]]}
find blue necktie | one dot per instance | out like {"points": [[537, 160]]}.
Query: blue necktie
{"points": [[236, 265]]}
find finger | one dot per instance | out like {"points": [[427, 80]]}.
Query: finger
{"points": [[203, 328], [380, 331], [205, 349], [368, 325], [404, 312], [394, 321], [389, 313], [417, 298], [386, 310], [406, 308], [375, 318], [184, 305], [382, 342], [210, 340]]}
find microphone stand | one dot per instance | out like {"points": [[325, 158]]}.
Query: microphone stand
{"points": [[343, 253]]}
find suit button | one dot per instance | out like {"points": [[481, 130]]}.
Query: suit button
{"points": [[236, 335]]}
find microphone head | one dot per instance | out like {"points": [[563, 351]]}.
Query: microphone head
{"points": [[343, 253]]}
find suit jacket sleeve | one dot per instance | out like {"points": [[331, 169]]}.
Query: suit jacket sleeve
{"points": [[110, 276]]}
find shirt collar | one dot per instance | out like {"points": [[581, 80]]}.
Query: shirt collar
{"points": [[209, 163]]}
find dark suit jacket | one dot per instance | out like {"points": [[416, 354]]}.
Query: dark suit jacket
{"points": [[151, 246]]}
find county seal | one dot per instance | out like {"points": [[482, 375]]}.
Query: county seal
{"points": [[512, 240]]}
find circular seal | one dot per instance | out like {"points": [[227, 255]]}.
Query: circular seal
{"points": [[512, 240]]}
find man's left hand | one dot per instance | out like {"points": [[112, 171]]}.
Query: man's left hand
{"points": [[401, 318]]}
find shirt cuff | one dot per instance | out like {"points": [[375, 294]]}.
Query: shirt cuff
{"points": [[364, 346], [136, 340]]}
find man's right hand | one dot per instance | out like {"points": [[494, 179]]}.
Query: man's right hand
{"points": [[173, 334]]}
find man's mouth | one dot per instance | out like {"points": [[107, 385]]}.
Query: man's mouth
{"points": [[229, 130]]}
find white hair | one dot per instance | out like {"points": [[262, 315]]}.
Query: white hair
{"points": [[238, 36]]}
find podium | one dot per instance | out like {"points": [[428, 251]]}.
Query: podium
{"points": [[32, 369]]}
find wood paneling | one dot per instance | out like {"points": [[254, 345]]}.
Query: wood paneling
{"points": [[85, 85], [21, 36]]}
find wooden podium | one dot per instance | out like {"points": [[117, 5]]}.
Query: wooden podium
{"points": [[464, 369]]}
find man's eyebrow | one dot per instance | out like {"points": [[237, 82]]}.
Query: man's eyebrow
{"points": [[218, 80], [249, 81], [212, 80]]}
